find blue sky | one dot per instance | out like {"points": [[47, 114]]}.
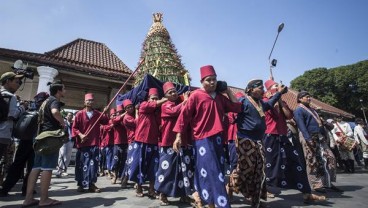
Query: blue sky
{"points": [[235, 36]]}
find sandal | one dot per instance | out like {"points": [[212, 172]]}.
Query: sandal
{"points": [[94, 189], [310, 198], [164, 201], [34, 202], [51, 204], [152, 195], [139, 192]]}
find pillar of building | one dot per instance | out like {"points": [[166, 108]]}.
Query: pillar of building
{"points": [[47, 74]]}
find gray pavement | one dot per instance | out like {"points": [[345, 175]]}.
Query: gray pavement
{"points": [[64, 189]]}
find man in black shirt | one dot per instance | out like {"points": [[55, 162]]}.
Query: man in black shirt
{"points": [[52, 120]]}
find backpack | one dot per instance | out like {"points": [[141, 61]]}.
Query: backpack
{"points": [[26, 126], [4, 105]]}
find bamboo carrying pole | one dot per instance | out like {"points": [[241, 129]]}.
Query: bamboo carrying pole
{"points": [[117, 93]]}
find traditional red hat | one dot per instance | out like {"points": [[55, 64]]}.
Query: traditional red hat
{"points": [[269, 83], [152, 91], [112, 111], [119, 108], [239, 95], [88, 96], [207, 71], [168, 86], [127, 102]]}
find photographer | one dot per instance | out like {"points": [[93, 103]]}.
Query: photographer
{"points": [[25, 153], [51, 120], [10, 110]]}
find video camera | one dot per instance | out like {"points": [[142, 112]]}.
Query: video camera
{"points": [[20, 68]]}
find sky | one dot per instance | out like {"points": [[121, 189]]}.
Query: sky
{"points": [[235, 36]]}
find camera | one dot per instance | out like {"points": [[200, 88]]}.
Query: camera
{"points": [[274, 62], [20, 68], [221, 86]]}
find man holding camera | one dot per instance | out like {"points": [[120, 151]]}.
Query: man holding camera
{"points": [[10, 110]]}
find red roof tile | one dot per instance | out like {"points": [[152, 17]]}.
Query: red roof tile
{"points": [[80, 55]]}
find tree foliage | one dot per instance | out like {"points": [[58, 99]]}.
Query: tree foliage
{"points": [[342, 87]]}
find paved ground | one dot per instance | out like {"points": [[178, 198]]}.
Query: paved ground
{"points": [[64, 189]]}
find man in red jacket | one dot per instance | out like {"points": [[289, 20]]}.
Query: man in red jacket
{"points": [[87, 157]]}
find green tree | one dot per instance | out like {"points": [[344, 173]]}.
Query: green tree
{"points": [[160, 57], [342, 87]]}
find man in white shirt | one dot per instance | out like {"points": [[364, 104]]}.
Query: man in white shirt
{"points": [[342, 131], [360, 136]]}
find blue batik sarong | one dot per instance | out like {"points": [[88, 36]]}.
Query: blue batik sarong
{"points": [[109, 151], [86, 166], [175, 172], [209, 179], [128, 161], [119, 158], [284, 167], [144, 162]]}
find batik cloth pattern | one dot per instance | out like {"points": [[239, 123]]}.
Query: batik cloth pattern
{"points": [[175, 172], [249, 176], [284, 167], [128, 161], [109, 151], [144, 162], [119, 158], [86, 166], [321, 163], [209, 177]]}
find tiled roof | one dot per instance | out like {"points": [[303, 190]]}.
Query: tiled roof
{"points": [[80, 55], [290, 99]]}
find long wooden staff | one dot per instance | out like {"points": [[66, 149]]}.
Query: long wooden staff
{"points": [[108, 105]]}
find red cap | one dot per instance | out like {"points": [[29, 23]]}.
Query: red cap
{"points": [[112, 111], [168, 86], [239, 95], [119, 108], [268, 84], [127, 102], [152, 91], [207, 71], [88, 96]]}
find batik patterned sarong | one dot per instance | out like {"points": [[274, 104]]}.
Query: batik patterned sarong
{"points": [[144, 163], [284, 167], [209, 177], [86, 166], [249, 176], [175, 172]]}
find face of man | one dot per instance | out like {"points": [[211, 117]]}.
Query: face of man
{"points": [[172, 95], [306, 100], [88, 103], [257, 92], [62, 92], [209, 83], [69, 117], [129, 109], [153, 98], [339, 119], [13, 84]]}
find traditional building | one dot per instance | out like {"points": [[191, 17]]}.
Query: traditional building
{"points": [[83, 66]]}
